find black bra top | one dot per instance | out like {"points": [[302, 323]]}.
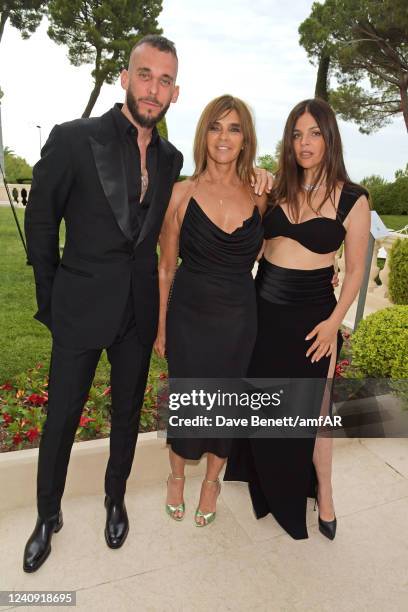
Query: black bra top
{"points": [[320, 234]]}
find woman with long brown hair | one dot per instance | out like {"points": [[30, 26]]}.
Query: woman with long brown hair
{"points": [[208, 327], [313, 207]]}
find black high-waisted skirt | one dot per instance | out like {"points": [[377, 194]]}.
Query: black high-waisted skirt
{"points": [[280, 471]]}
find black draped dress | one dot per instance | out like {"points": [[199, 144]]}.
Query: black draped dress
{"points": [[291, 302], [211, 317]]}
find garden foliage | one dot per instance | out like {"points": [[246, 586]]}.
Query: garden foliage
{"points": [[380, 344], [398, 279]]}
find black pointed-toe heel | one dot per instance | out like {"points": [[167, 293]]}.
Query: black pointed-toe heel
{"points": [[328, 528]]}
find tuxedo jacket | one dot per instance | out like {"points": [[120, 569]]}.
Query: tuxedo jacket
{"points": [[81, 178]]}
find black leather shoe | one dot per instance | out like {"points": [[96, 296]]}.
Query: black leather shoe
{"points": [[328, 528], [117, 523], [38, 546]]}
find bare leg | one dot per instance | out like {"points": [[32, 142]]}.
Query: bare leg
{"points": [[210, 490], [175, 487], [322, 459]]}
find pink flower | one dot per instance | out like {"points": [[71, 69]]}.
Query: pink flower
{"points": [[107, 391], [17, 439]]}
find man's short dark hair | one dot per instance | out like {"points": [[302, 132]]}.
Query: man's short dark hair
{"points": [[158, 42]]}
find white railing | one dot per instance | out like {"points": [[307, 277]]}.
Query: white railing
{"points": [[16, 192]]}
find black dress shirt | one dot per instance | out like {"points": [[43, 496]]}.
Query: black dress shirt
{"points": [[127, 134]]}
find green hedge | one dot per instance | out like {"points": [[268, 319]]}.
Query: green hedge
{"points": [[379, 346], [398, 280], [391, 198], [400, 378]]}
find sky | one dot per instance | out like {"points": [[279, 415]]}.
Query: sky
{"points": [[248, 48]]}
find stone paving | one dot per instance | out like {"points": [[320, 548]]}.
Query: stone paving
{"points": [[236, 563]]}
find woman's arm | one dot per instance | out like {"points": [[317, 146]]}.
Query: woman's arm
{"points": [[262, 181], [355, 250], [169, 248], [261, 202]]}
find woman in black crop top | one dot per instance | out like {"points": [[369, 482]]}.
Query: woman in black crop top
{"points": [[314, 207]]}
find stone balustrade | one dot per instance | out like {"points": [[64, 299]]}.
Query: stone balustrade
{"points": [[18, 191]]}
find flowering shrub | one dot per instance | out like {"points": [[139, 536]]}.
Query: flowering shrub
{"points": [[341, 367], [23, 410], [343, 364], [375, 356]]}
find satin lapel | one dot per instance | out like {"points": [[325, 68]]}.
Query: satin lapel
{"points": [[160, 194], [111, 171]]}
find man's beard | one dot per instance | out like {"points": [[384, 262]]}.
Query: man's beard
{"points": [[143, 120]]}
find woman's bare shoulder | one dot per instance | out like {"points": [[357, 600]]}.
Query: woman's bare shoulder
{"points": [[181, 189], [261, 202], [180, 197]]}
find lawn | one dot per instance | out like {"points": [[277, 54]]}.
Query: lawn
{"points": [[395, 222], [24, 341]]}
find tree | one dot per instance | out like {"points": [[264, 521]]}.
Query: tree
{"points": [[401, 173], [389, 198], [323, 76], [268, 162], [314, 33], [162, 128], [374, 180], [101, 32], [363, 40], [16, 168], [278, 150], [25, 15]]}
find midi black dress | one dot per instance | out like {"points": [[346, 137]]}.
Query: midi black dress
{"points": [[291, 302], [211, 318]]}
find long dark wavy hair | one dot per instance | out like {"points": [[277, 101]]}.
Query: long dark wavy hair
{"points": [[290, 175]]}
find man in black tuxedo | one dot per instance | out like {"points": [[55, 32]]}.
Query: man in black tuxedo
{"points": [[110, 178]]}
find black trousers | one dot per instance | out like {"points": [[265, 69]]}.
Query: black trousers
{"points": [[71, 375]]}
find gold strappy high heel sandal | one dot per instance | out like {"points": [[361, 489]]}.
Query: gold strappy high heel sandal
{"points": [[172, 510], [208, 517]]}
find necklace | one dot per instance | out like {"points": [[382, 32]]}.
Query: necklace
{"points": [[220, 200], [311, 187]]}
